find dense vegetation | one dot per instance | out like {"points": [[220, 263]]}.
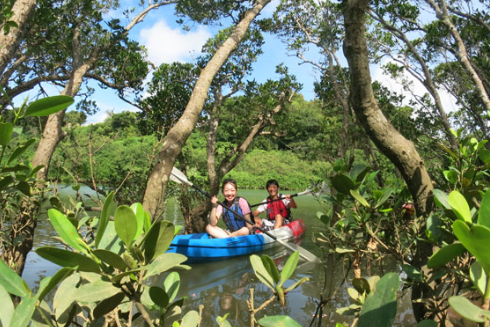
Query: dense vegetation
{"points": [[408, 177]]}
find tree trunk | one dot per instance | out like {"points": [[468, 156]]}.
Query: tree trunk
{"points": [[52, 133], [153, 200], [9, 42], [392, 144]]}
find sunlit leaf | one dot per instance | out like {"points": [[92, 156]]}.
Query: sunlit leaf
{"points": [[484, 212], [111, 258], [475, 240], [20, 150], [478, 277], [69, 259], [379, 309], [468, 310], [66, 230], [459, 205], [104, 218], [171, 285], [271, 267], [24, 311], [158, 239], [360, 198], [50, 283], [126, 224], [6, 130], [12, 282], [278, 321], [165, 262], [261, 272], [191, 319], [96, 291], [49, 105], [288, 269], [445, 254], [7, 307]]}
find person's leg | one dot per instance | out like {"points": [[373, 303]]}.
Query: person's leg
{"points": [[279, 221], [241, 232], [216, 232]]}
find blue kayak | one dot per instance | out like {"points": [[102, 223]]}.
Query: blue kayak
{"points": [[201, 248]]}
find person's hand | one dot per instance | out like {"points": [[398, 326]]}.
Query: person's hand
{"points": [[214, 201]]}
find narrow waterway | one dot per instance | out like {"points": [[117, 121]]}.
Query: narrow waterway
{"points": [[224, 287]]}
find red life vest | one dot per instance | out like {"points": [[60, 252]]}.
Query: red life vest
{"points": [[277, 208]]}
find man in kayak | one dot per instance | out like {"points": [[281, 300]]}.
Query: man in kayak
{"points": [[277, 206], [236, 226]]}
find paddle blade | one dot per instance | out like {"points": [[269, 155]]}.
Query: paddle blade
{"points": [[303, 253], [179, 177]]}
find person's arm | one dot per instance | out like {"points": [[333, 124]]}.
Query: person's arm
{"points": [[214, 215], [291, 203]]}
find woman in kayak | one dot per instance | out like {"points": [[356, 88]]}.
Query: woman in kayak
{"points": [[236, 226], [278, 211]]}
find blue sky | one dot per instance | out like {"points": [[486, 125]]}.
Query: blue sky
{"points": [[166, 42]]}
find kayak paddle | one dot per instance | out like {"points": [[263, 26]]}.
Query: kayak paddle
{"points": [[307, 191], [179, 177]]}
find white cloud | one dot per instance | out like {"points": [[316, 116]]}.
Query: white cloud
{"points": [[167, 45], [448, 101]]}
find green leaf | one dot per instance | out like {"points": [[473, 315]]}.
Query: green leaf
{"points": [[359, 198], [65, 295], [49, 105], [289, 267], [379, 309], [478, 277], [126, 224], [104, 217], [12, 282], [191, 319], [111, 258], [158, 239], [6, 130], [140, 218], [386, 195], [261, 272], [107, 305], [445, 255], [159, 297], [49, 283], [459, 205], [20, 150], [278, 321], [427, 323], [165, 262], [7, 307], [475, 240], [361, 285], [441, 199], [66, 230], [171, 285], [484, 212], [468, 310], [96, 291], [24, 311], [271, 267], [343, 183], [111, 241], [69, 259], [412, 273]]}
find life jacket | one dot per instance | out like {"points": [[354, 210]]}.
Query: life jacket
{"points": [[233, 223], [277, 208]]}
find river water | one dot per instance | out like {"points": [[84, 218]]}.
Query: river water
{"points": [[224, 287]]}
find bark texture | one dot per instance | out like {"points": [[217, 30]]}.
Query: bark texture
{"points": [[153, 200], [9, 42], [400, 151], [390, 142]]}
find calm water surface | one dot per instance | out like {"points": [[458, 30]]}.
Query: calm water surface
{"points": [[224, 287]]}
